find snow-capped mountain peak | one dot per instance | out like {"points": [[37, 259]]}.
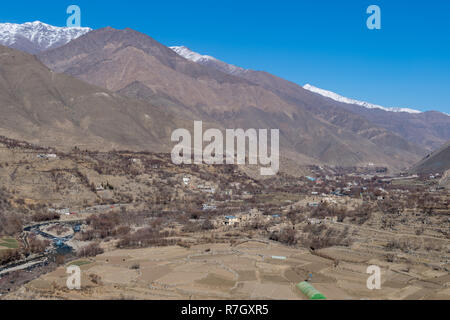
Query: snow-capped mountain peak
{"points": [[35, 37], [206, 60], [339, 98], [191, 55]]}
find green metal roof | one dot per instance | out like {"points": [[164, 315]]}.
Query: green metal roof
{"points": [[308, 290]]}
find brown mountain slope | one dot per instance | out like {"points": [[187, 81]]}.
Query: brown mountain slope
{"points": [[57, 110], [412, 134], [135, 65], [428, 130], [40, 106], [115, 59], [445, 181], [437, 162]]}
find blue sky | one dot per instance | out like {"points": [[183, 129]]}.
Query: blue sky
{"points": [[322, 42]]}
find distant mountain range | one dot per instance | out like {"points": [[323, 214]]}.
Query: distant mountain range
{"points": [[35, 37], [436, 162], [142, 90], [313, 129], [429, 130], [445, 181]]}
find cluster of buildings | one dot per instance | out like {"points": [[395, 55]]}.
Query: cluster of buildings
{"points": [[316, 221], [202, 187], [246, 218], [209, 207]]}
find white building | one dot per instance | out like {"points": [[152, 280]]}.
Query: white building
{"points": [[231, 220], [209, 207]]}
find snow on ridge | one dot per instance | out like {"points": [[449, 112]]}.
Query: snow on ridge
{"points": [[191, 55], [37, 36], [339, 98], [206, 60]]}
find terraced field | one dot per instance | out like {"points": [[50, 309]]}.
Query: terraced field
{"points": [[8, 243], [247, 270]]}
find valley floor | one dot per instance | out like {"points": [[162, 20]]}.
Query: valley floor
{"points": [[247, 270]]}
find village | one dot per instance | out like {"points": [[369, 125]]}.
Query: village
{"points": [[85, 204]]}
